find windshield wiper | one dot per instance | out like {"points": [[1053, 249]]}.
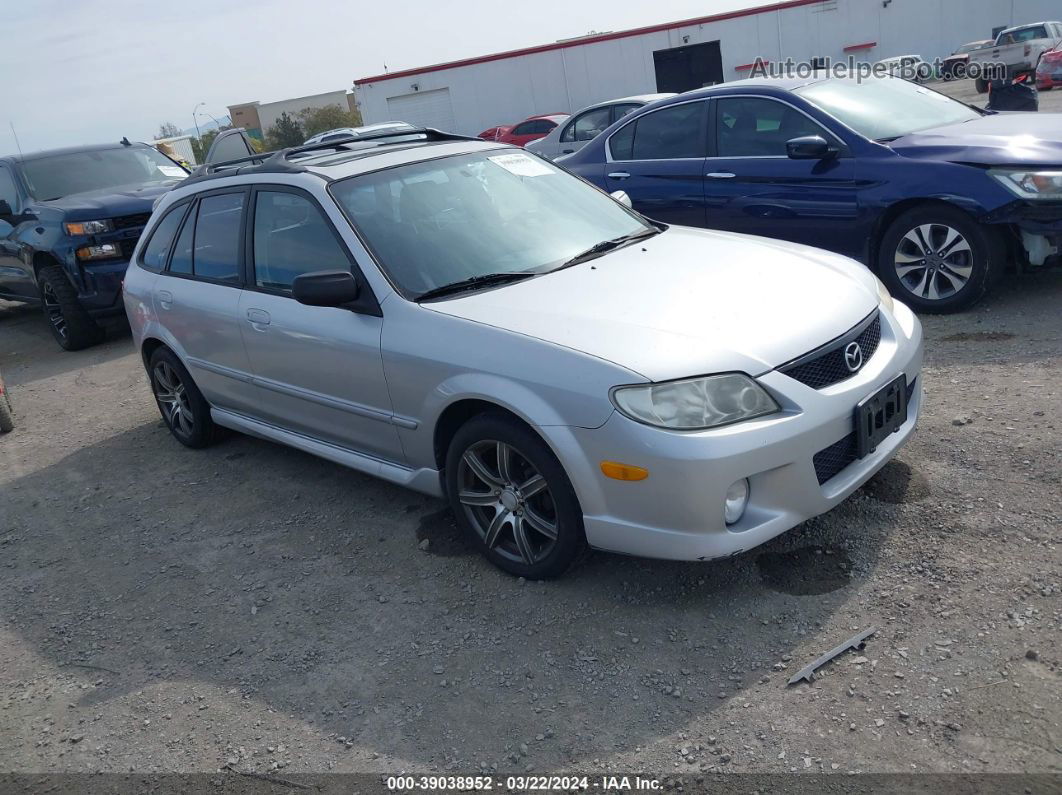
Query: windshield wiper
{"points": [[474, 283], [605, 246]]}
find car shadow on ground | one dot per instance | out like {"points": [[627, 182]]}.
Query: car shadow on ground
{"points": [[307, 587]]}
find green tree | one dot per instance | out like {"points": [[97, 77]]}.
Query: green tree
{"points": [[285, 132], [167, 130], [329, 117]]}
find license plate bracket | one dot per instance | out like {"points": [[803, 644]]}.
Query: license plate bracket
{"points": [[880, 415]]}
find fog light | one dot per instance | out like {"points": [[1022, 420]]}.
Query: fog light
{"points": [[737, 498]]}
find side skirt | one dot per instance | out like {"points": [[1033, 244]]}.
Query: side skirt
{"points": [[426, 481]]}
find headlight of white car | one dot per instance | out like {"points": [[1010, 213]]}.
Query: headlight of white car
{"points": [[1031, 184], [885, 296], [695, 403]]}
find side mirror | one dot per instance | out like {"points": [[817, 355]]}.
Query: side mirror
{"points": [[325, 288], [809, 147], [622, 197]]}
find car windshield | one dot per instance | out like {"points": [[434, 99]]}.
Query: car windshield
{"points": [[969, 47], [444, 221], [55, 176], [885, 108]]}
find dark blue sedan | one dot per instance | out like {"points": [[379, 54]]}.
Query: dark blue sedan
{"points": [[935, 195]]}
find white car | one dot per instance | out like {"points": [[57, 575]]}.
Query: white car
{"points": [[357, 132], [585, 125]]}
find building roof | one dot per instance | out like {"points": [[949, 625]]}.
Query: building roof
{"points": [[579, 42]]}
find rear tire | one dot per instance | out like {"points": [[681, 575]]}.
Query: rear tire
{"points": [[7, 419], [513, 498], [70, 324], [938, 259], [181, 404], [981, 86]]}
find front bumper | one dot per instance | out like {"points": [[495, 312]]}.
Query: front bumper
{"points": [[677, 512]]}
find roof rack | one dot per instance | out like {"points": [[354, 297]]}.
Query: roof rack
{"points": [[280, 160]]}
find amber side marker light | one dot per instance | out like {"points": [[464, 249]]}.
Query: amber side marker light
{"points": [[623, 471]]}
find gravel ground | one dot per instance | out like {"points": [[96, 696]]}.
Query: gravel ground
{"points": [[251, 608], [964, 90]]}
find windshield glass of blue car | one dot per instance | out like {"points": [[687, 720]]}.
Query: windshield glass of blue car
{"points": [[475, 219], [56, 176], [883, 109]]}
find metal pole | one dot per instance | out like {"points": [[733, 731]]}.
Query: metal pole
{"points": [[195, 121]]}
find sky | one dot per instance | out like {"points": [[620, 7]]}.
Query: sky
{"points": [[90, 71]]}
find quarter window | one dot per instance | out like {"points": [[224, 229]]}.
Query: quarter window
{"points": [[755, 127], [154, 257], [292, 237], [668, 134]]}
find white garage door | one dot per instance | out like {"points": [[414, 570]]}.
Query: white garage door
{"points": [[424, 109]]}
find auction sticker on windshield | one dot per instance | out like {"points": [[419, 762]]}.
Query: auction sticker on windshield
{"points": [[172, 171], [522, 165]]}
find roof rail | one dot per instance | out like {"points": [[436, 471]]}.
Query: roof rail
{"points": [[279, 160]]}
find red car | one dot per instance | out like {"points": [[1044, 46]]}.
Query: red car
{"points": [[494, 133], [1049, 72], [532, 128]]}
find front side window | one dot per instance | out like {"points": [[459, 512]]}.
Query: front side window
{"points": [[885, 108], [7, 189], [292, 237], [757, 127], [55, 176], [154, 257], [588, 126], [434, 223], [671, 133]]}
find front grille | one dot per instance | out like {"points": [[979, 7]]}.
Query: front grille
{"points": [[828, 366], [131, 221], [830, 461]]}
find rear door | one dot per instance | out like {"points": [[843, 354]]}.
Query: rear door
{"points": [[197, 295], [752, 186], [658, 159], [318, 370]]}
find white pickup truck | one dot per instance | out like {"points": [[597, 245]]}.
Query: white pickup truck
{"points": [[1019, 49]]}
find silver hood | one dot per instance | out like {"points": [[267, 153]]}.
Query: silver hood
{"points": [[668, 307]]}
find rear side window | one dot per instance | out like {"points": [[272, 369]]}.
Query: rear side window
{"points": [[154, 256], [292, 237], [209, 243], [669, 134], [217, 237]]}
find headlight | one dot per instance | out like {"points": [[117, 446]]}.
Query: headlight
{"points": [[884, 295], [1031, 184], [695, 403], [88, 228], [105, 251]]}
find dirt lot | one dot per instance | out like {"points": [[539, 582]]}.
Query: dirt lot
{"points": [[252, 608], [964, 90]]}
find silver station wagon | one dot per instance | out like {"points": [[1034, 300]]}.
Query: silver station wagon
{"points": [[473, 322]]}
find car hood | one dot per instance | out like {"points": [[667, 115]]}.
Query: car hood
{"points": [[1000, 139], [686, 302], [111, 202]]}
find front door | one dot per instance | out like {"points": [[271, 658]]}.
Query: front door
{"points": [[16, 274], [318, 370], [658, 159], [752, 186]]}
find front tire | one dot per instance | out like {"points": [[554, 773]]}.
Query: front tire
{"points": [[938, 259], [981, 86], [181, 404], [70, 324], [513, 497]]}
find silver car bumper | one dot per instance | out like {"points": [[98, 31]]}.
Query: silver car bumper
{"points": [[677, 512]]}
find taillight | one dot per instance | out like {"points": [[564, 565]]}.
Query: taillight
{"points": [[1054, 55]]}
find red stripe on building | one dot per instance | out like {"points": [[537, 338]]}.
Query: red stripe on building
{"points": [[561, 45], [857, 47]]}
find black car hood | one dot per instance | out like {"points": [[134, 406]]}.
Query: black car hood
{"points": [[111, 202], [999, 139]]}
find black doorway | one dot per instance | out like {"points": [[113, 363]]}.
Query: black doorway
{"points": [[686, 68]]}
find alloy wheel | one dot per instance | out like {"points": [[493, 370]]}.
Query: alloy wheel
{"points": [[53, 310], [507, 501], [934, 261], [173, 398]]}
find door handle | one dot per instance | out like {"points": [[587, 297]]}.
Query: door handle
{"points": [[567, 151], [720, 175], [619, 175], [258, 317], [165, 298]]}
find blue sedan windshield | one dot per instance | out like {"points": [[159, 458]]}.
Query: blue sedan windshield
{"points": [[885, 108]]}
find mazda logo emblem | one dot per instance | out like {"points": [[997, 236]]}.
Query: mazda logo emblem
{"points": [[853, 356]]}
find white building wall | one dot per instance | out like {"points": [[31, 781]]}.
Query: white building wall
{"points": [[564, 80], [269, 112]]}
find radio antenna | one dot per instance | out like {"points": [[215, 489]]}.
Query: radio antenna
{"points": [[17, 144]]}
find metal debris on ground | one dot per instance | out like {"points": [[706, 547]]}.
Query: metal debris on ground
{"points": [[856, 642]]}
